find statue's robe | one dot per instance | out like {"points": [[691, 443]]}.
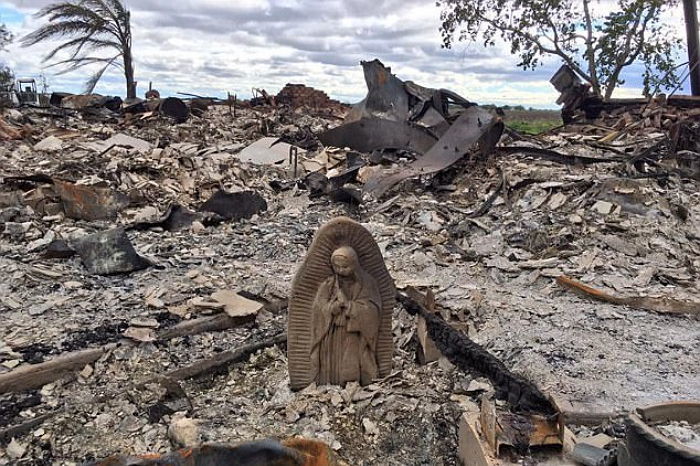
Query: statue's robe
{"points": [[344, 346]]}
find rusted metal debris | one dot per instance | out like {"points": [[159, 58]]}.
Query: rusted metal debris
{"points": [[390, 98], [403, 115], [386, 98], [367, 135], [474, 126], [519, 431], [291, 452], [89, 202]]}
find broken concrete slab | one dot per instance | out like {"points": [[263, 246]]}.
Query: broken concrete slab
{"points": [[50, 143], [122, 140], [109, 252], [267, 151], [236, 305], [84, 202]]}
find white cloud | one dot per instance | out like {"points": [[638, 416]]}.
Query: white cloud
{"points": [[216, 46]]}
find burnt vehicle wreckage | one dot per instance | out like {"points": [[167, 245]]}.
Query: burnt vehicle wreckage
{"points": [[525, 298]]}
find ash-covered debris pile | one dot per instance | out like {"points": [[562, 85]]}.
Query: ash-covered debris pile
{"points": [[147, 266]]}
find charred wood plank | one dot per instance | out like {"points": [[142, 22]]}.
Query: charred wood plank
{"points": [[17, 431], [221, 360], [36, 375], [213, 323], [523, 395]]}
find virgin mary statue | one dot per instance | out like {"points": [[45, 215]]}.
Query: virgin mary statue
{"points": [[345, 323]]}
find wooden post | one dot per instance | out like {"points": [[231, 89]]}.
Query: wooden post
{"points": [[691, 27]]}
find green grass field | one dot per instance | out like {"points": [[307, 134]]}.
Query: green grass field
{"points": [[532, 121]]}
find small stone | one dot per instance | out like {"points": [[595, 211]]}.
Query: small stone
{"points": [[11, 364], [291, 415], [41, 242], [71, 285], [144, 335], [184, 432], [17, 229], [15, 450], [370, 427], [336, 399], [10, 302], [87, 371], [142, 322], [156, 303], [446, 365], [198, 228], [478, 386], [38, 309], [603, 207], [575, 219], [51, 143]]}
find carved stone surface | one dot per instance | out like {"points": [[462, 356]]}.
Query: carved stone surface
{"points": [[339, 326]]}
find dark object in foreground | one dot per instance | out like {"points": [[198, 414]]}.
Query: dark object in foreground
{"points": [[522, 394], [235, 206], [293, 452], [109, 252], [174, 108], [645, 446]]}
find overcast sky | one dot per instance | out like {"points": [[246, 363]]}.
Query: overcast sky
{"points": [[209, 47]]}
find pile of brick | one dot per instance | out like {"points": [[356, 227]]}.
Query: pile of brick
{"points": [[299, 95]]}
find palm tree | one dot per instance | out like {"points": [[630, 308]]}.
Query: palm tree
{"points": [[89, 26]]}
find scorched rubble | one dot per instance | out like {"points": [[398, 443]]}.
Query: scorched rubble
{"points": [[492, 269]]}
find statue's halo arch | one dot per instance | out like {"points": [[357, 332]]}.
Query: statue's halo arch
{"points": [[340, 231]]}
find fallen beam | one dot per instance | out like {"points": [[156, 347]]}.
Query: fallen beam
{"points": [[220, 360], [215, 323], [661, 305], [17, 431], [37, 375], [523, 395]]}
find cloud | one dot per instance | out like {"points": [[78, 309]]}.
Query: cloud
{"points": [[218, 46]]}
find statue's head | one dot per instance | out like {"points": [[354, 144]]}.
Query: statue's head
{"points": [[344, 261]]}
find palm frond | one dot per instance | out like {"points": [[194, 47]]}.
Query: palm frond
{"points": [[76, 63], [83, 44], [95, 78], [54, 31], [86, 26]]}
